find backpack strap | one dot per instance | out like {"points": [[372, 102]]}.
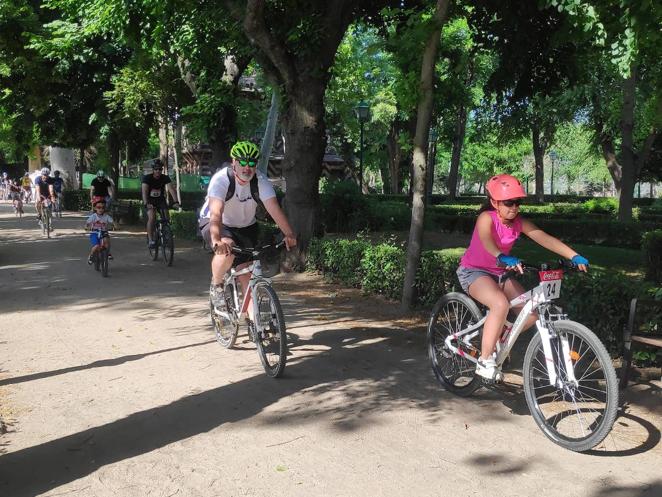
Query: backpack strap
{"points": [[255, 190], [231, 186]]}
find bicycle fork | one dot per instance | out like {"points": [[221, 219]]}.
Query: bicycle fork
{"points": [[550, 361]]}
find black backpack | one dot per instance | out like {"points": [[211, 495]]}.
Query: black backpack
{"points": [[255, 190]]}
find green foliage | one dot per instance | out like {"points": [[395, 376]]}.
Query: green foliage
{"points": [[343, 207], [184, 224], [77, 200], [383, 268], [601, 302], [651, 243], [601, 205]]}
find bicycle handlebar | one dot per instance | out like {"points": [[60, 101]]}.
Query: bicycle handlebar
{"points": [[255, 251], [559, 264]]}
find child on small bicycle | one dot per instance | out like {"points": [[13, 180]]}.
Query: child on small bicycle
{"points": [[99, 220], [483, 267]]}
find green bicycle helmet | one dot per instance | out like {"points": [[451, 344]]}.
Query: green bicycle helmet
{"points": [[245, 150]]}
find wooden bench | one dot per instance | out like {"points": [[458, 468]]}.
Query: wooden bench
{"points": [[631, 335]]}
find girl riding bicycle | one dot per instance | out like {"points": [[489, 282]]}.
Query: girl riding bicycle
{"points": [[482, 271]]}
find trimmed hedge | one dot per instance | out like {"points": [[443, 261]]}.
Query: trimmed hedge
{"points": [[598, 300], [651, 243]]}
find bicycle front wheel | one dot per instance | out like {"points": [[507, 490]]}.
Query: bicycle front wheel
{"points": [[48, 215], [577, 415], [167, 245], [153, 251], [451, 314], [103, 255], [270, 337]]}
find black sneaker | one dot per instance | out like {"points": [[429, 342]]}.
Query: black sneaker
{"points": [[110, 256], [89, 260]]}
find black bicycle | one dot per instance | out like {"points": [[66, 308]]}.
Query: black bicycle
{"points": [[100, 257], [163, 238]]}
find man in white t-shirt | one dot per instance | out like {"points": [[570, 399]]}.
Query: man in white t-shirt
{"points": [[230, 207]]}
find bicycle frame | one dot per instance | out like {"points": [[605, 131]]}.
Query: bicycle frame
{"points": [[256, 275], [538, 298]]}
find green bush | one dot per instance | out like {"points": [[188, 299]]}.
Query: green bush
{"points": [[184, 224], [343, 207], [77, 200], [651, 244], [383, 268], [602, 205]]}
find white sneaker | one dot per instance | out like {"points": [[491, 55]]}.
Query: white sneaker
{"points": [[488, 369]]}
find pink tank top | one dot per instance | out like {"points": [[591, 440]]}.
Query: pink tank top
{"points": [[504, 236]]}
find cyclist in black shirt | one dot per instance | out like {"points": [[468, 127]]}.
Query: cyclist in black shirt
{"points": [[101, 187], [44, 187], [155, 197]]}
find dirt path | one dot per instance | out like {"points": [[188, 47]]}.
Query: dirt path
{"points": [[115, 387]]}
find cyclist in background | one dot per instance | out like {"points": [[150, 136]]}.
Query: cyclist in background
{"points": [[26, 185], [43, 189], [155, 196], [58, 186], [15, 196], [101, 187], [482, 271]]}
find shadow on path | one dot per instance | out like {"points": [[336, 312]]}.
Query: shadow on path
{"points": [[104, 363]]}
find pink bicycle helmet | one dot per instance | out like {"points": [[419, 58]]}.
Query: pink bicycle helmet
{"points": [[505, 187]]}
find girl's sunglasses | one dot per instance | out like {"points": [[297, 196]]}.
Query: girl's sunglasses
{"points": [[249, 163], [510, 203]]}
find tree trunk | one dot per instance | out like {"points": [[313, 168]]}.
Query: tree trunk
{"points": [[178, 159], [303, 125], [394, 157], [269, 134], [613, 166], [113, 159], [223, 136], [628, 163], [163, 141], [538, 155], [456, 154], [419, 169]]}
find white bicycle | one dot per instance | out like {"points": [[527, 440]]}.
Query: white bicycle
{"points": [[569, 381], [267, 328]]}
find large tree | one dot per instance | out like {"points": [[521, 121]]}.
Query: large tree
{"points": [[296, 43]]}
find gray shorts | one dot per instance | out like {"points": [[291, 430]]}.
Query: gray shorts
{"points": [[467, 275]]}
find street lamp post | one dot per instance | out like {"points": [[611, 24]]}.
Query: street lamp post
{"points": [[553, 156], [362, 112]]}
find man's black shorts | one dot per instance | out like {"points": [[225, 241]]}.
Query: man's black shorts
{"points": [[246, 237]]}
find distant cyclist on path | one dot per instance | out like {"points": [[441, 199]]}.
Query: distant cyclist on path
{"points": [[154, 194]]}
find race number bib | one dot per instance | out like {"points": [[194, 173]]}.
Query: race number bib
{"points": [[550, 281], [155, 193]]}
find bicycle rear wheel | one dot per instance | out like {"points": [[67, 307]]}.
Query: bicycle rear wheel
{"points": [[270, 336], [576, 416], [451, 314], [167, 244]]}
